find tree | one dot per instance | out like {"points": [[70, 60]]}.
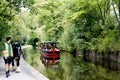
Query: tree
{"points": [[8, 10], [50, 17], [116, 8]]}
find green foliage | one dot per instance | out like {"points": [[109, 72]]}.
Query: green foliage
{"points": [[30, 58], [33, 58], [50, 17], [8, 11], [3, 27]]}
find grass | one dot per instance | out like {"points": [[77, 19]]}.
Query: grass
{"points": [[33, 58]]}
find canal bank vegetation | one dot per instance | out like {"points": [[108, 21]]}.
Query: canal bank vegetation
{"points": [[78, 25], [32, 56]]}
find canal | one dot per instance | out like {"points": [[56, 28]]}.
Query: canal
{"points": [[70, 68]]}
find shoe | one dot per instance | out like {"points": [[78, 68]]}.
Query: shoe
{"points": [[7, 74], [18, 70], [13, 68]]}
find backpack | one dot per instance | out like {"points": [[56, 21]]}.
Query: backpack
{"points": [[16, 49]]}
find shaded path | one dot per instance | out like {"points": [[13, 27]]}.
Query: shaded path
{"points": [[27, 72]]}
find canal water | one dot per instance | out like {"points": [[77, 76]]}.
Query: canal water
{"points": [[68, 67]]}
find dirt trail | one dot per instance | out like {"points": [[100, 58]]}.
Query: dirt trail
{"points": [[27, 72]]}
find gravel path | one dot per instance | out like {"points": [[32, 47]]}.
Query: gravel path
{"points": [[27, 72]]}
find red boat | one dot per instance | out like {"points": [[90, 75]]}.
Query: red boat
{"points": [[50, 54]]}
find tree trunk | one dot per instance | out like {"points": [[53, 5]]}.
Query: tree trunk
{"points": [[119, 17]]}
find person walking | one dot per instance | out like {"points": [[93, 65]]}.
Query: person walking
{"points": [[16, 56], [7, 55]]}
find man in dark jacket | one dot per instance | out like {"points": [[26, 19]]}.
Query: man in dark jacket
{"points": [[16, 55]]}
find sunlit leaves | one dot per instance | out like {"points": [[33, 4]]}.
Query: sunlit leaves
{"points": [[78, 15]]}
